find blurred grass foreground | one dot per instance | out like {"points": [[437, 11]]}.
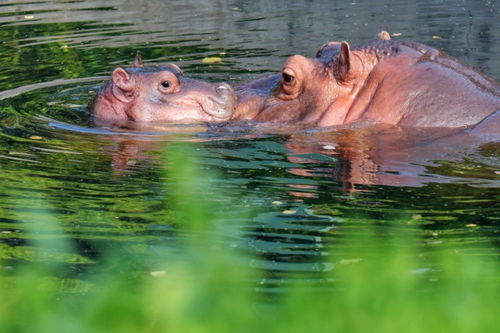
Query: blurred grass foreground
{"points": [[378, 284]]}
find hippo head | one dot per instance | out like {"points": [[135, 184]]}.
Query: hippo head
{"points": [[316, 90], [160, 93], [306, 90]]}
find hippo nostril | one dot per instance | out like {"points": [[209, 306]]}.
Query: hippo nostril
{"points": [[227, 95], [224, 90], [223, 104]]}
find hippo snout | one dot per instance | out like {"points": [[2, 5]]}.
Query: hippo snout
{"points": [[224, 104]]}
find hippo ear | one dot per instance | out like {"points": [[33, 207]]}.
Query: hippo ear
{"points": [[176, 69], [124, 81], [138, 61], [328, 50], [342, 66]]}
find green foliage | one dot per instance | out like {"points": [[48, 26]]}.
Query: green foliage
{"points": [[377, 284]]}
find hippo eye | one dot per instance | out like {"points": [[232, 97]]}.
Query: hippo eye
{"points": [[287, 78], [290, 84], [168, 83]]}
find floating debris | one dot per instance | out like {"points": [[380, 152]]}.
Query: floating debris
{"points": [[211, 60]]}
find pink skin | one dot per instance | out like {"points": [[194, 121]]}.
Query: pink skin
{"points": [[384, 81], [160, 94]]}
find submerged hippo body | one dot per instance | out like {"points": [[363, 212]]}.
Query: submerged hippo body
{"points": [[160, 94], [383, 81]]}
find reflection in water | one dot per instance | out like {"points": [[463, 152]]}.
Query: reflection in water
{"points": [[352, 155], [307, 187], [374, 155]]}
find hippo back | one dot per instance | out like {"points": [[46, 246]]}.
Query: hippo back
{"points": [[413, 84]]}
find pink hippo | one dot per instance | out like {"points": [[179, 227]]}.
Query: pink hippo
{"points": [[382, 81]]}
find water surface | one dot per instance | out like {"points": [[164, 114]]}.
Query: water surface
{"points": [[106, 188]]}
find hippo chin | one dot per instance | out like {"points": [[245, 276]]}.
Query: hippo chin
{"points": [[384, 81], [160, 94]]}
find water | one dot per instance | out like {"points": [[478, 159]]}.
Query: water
{"points": [[105, 188]]}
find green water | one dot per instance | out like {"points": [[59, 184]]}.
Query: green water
{"points": [[293, 195]]}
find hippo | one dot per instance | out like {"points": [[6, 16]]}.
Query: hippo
{"points": [[160, 94], [382, 81]]}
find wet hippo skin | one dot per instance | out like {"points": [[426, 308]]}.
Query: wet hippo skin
{"points": [[382, 81], [160, 94]]}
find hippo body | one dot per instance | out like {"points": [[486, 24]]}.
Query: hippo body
{"points": [[383, 81], [160, 94]]}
